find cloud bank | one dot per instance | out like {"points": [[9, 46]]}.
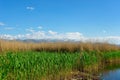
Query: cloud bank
{"points": [[52, 35]]}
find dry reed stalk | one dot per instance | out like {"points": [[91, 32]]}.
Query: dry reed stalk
{"points": [[56, 46]]}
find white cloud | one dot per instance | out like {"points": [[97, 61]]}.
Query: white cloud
{"points": [[7, 36], [114, 39], [40, 27], [74, 35], [52, 32], [37, 35], [52, 35], [2, 24], [30, 8], [30, 30], [8, 28]]}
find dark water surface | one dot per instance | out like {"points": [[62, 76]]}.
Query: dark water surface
{"points": [[111, 72]]}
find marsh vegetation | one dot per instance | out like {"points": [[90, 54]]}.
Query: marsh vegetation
{"points": [[55, 61]]}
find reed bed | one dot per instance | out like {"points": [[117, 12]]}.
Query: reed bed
{"points": [[56, 46], [54, 60]]}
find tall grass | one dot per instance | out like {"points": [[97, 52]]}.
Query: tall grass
{"points": [[35, 65], [31, 65], [44, 61], [56, 46]]}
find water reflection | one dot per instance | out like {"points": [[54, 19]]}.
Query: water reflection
{"points": [[111, 75], [111, 72]]}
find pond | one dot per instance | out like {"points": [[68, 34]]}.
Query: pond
{"points": [[111, 72]]}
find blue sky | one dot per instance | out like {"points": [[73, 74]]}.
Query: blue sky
{"points": [[91, 18]]}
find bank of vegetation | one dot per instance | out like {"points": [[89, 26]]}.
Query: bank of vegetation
{"points": [[54, 61]]}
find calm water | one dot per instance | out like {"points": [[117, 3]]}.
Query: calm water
{"points": [[111, 73]]}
